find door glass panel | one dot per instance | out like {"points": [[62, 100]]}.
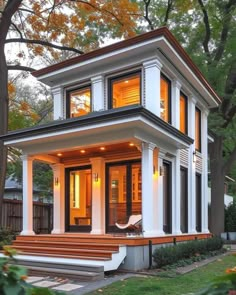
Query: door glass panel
{"points": [[80, 197], [136, 189], [117, 195]]}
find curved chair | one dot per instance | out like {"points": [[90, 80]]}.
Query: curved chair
{"points": [[133, 222]]}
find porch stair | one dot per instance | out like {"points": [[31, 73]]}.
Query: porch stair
{"points": [[74, 256]]}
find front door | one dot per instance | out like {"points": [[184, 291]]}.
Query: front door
{"points": [[78, 199], [123, 193]]}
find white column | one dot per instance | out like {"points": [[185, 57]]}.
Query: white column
{"points": [[98, 93], [98, 196], [152, 86], [175, 104], [148, 209], [58, 103], [27, 195], [176, 195], [161, 155], [191, 168], [58, 198], [204, 141]]}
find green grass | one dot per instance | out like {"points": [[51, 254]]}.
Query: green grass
{"points": [[179, 285]]}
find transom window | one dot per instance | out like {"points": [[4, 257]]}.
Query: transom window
{"points": [[125, 90], [197, 129], [165, 96], [79, 102], [183, 113]]}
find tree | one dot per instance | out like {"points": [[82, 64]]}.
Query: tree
{"points": [[207, 30], [52, 25]]}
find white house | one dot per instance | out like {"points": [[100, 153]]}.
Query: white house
{"points": [[129, 137]]}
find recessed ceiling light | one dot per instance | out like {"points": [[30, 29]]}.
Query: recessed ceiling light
{"points": [[126, 81], [102, 148], [82, 151], [131, 144], [59, 154]]}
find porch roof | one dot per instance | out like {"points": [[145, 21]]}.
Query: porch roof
{"points": [[128, 122]]}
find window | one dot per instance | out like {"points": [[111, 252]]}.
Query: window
{"points": [[183, 126], [125, 90], [183, 200], [165, 99], [198, 202], [197, 129], [167, 203], [78, 102]]}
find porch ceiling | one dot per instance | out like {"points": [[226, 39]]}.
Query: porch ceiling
{"points": [[99, 128]]}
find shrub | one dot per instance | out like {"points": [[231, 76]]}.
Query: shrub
{"points": [[172, 254], [230, 218], [6, 236]]}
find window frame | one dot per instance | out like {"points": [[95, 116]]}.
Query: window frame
{"points": [[68, 104], [113, 79], [197, 110], [164, 77], [186, 112]]}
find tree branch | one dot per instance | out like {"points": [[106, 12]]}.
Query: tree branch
{"points": [[225, 30], [168, 10], [146, 15], [206, 40], [20, 68], [43, 43], [16, 28], [230, 161]]}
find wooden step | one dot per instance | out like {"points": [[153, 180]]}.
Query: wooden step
{"points": [[58, 244], [65, 251]]}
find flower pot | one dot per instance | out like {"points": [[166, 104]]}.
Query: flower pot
{"points": [[232, 236], [223, 236]]}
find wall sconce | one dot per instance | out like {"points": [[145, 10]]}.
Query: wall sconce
{"points": [[162, 171], [56, 181], [154, 170], [194, 157], [95, 177]]}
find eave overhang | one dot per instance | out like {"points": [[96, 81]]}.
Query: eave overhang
{"points": [[129, 120]]}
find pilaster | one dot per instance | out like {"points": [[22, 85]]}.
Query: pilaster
{"points": [[176, 86], [98, 93], [58, 103]]}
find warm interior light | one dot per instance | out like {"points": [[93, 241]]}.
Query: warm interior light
{"points": [[131, 144], [126, 81], [59, 154], [102, 148], [82, 151]]}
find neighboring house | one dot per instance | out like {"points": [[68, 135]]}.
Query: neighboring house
{"points": [[129, 137], [13, 191]]}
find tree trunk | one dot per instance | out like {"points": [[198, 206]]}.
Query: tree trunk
{"points": [[217, 186]]}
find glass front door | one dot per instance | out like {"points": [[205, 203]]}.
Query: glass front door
{"points": [[123, 193], [78, 199]]}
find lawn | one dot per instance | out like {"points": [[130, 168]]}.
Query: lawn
{"points": [[179, 285]]}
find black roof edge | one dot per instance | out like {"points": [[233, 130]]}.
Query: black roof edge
{"points": [[96, 117]]}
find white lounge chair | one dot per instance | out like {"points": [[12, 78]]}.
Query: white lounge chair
{"points": [[133, 222]]}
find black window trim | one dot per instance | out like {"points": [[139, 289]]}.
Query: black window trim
{"points": [[200, 131], [68, 91], [114, 78], [186, 111], [185, 169], [164, 77]]}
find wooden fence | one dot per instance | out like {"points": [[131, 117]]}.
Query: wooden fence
{"points": [[12, 216]]}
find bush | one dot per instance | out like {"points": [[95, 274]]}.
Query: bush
{"points": [[172, 254], [230, 217], [6, 236]]}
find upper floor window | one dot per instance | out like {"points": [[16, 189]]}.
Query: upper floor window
{"points": [[165, 97], [197, 129], [183, 126], [78, 102], [125, 90]]}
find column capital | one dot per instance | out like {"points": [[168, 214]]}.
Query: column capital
{"points": [[176, 84], [97, 79], [56, 90], [96, 159], [205, 112], [161, 153], [26, 157], [193, 99], [148, 145], [152, 63], [56, 166]]}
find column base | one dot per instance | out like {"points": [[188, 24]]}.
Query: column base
{"points": [[149, 234], [97, 232], [205, 231], [192, 232], [27, 233], [177, 232], [57, 231]]}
